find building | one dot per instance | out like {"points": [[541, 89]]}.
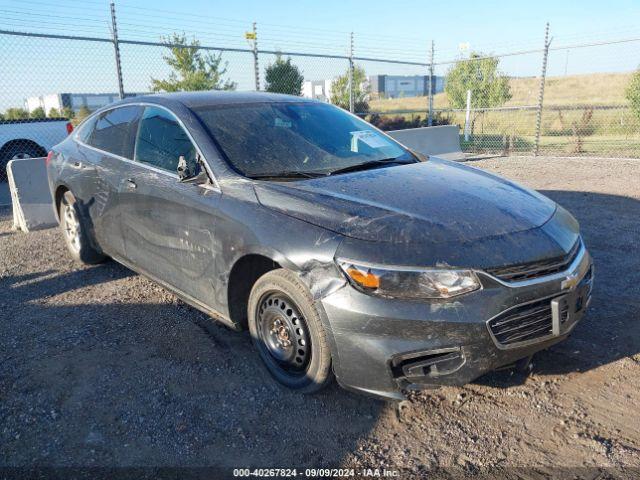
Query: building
{"points": [[318, 89], [395, 86], [74, 101], [382, 86]]}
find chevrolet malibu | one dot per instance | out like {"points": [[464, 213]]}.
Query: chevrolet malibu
{"points": [[344, 253]]}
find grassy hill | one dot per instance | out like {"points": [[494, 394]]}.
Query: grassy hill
{"points": [[591, 89]]}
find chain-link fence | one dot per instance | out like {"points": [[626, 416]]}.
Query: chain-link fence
{"points": [[535, 100]]}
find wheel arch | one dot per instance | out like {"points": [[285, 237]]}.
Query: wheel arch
{"points": [[244, 273], [22, 141], [60, 190]]}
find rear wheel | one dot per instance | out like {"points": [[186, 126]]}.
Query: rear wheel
{"points": [[22, 149], [16, 151], [287, 332], [75, 234]]}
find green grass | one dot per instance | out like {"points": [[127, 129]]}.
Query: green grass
{"points": [[615, 146]]}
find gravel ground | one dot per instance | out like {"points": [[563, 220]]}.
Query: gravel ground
{"points": [[100, 367]]}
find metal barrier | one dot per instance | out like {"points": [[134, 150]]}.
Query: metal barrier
{"points": [[30, 195], [442, 142]]}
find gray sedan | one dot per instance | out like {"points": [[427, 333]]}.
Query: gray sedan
{"points": [[344, 253]]}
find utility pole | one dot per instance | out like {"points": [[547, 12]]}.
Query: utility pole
{"points": [[351, 87], [430, 121], [256, 67], [543, 75], [116, 46]]}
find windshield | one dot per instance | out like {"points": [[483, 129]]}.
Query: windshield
{"points": [[263, 139]]}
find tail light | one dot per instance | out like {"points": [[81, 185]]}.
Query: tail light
{"points": [[69, 128], [49, 157]]}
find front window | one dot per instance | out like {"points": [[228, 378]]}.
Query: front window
{"points": [[263, 139], [161, 141]]}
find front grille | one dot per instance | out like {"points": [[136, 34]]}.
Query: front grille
{"points": [[525, 322], [527, 271]]}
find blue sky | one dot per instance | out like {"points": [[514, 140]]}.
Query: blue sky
{"points": [[383, 29], [448, 22]]}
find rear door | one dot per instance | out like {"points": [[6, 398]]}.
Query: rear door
{"points": [[168, 226], [111, 138]]}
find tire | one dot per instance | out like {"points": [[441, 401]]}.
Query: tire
{"points": [[18, 150], [74, 232], [24, 149], [287, 331]]}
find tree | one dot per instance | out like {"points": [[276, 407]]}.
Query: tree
{"points": [[53, 113], [16, 114], [479, 73], [489, 87], [361, 90], [67, 112], [83, 112], [282, 76], [193, 69], [38, 113], [633, 92]]}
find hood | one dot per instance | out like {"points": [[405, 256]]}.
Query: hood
{"points": [[434, 201]]}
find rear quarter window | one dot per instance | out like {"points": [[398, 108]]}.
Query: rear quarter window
{"points": [[85, 130]]}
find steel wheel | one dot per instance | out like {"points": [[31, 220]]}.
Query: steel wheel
{"points": [[283, 333], [71, 226], [286, 329]]}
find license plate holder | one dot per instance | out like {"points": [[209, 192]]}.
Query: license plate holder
{"points": [[560, 313], [567, 309]]}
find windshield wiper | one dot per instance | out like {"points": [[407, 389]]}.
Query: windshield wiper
{"points": [[369, 164], [288, 174]]}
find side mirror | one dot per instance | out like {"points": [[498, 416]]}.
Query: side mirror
{"points": [[196, 175], [183, 169], [199, 179]]}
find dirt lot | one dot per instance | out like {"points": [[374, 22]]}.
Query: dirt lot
{"points": [[100, 367]]}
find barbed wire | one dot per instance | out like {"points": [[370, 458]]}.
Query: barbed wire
{"points": [[76, 51]]}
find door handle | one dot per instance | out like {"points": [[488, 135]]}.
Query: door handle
{"points": [[131, 184], [77, 164]]}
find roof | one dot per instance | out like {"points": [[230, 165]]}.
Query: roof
{"points": [[216, 97]]}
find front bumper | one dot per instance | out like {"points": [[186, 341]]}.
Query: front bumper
{"points": [[386, 346]]}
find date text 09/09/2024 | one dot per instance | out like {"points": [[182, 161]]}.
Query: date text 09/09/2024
{"points": [[317, 472]]}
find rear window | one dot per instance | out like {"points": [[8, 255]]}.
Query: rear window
{"points": [[263, 138], [114, 131]]}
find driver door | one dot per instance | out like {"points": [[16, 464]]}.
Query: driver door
{"points": [[169, 226]]}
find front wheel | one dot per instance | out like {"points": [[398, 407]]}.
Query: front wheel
{"points": [[287, 331]]}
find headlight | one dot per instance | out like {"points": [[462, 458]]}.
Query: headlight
{"points": [[400, 282]]}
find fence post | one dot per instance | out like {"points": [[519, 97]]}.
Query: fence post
{"points": [[543, 76], [351, 87], [430, 120], [256, 67], [467, 118], [116, 46]]}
